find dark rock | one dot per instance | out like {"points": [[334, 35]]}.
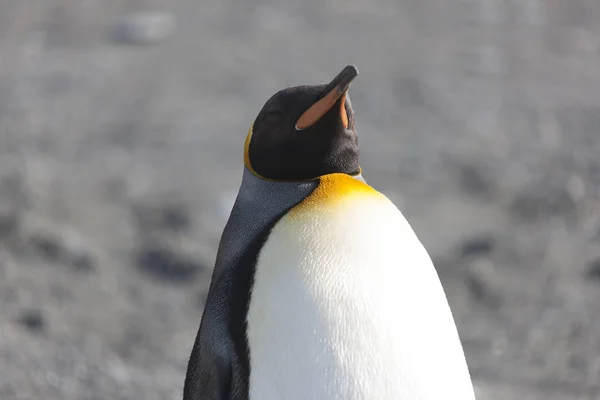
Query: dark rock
{"points": [[475, 181], [9, 224], [480, 292], [14, 201], [61, 248], [482, 284], [33, 320], [163, 263], [82, 262], [477, 246], [176, 218], [476, 287], [539, 201], [47, 246], [576, 332], [593, 270], [168, 217]]}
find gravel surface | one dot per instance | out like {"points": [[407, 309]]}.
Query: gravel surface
{"points": [[121, 132]]}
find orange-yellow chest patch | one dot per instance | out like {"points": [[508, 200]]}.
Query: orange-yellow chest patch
{"points": [[333, 191]]}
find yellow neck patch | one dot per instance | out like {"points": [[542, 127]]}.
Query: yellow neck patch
{"points": [[247, 153], [334, 188]]}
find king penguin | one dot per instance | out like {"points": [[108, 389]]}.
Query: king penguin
{"points": [[321, 290]]}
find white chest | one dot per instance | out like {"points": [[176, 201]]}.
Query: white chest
{"points": [[346, 304]]}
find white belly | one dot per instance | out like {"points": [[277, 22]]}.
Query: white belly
{"points": [[346, 304]]}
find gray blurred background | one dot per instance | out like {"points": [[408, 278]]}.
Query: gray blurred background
{"points": [[121, 132]]}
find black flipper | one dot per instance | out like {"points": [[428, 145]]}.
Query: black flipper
{"points": [[218, 367], [209, 369]]}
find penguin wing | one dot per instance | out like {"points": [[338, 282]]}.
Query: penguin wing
{"points": [[218, 367], [209, 369]]}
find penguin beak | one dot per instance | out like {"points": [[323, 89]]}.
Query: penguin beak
{"points": [[336, 89]]}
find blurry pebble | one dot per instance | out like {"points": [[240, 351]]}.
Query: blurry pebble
{"points": [[177, 219], [57, 249], [144, 28], [14, 200], [169, 217], [541, 200], [82, 262], [33, 320], [482, 283], [47, 246], [593, 270], [58, 245], [160, 261], [477, 246], [9, 223], [475, 181]]}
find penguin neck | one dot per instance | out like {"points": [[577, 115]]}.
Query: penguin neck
{"points": [[249, 168], [253, 178]]}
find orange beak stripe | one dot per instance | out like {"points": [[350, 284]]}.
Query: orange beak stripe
{"points": [[320, 108]]}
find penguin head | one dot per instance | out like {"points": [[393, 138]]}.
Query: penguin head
{"points": [[305, 132]]}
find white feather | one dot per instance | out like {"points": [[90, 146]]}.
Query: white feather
{"points": [[346, 304]]}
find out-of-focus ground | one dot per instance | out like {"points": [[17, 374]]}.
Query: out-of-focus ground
{"points": [[120, 155]]}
